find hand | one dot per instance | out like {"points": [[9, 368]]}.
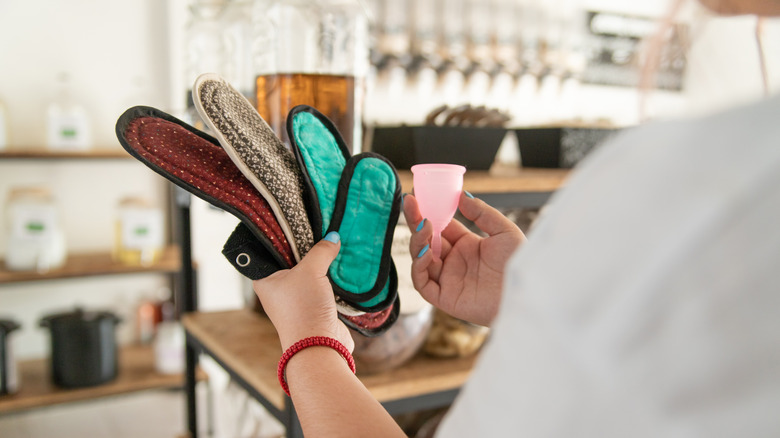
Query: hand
{"points": [[467, 282], [299, 301]]}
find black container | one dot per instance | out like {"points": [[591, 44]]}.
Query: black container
{"points": [[558, 147], [471, 147], [9, 379], [83, 347]]}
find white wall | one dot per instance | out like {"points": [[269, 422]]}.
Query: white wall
{"points": [[104, 45], [724, 63]]}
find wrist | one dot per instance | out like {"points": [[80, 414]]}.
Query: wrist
{"points": [[287, 340], [313, 346], [291, 333]]}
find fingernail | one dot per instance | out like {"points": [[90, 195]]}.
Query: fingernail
{"points": [[421, 225], [423, 251], [468, 194], [332, 237]]}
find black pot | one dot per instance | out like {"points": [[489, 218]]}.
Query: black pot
{"points": [[83, 347], [9, 379]]}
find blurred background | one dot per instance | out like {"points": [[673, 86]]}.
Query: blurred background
{"points": [[527, 63]]}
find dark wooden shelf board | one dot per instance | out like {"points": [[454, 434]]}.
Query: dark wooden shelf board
{"points": [[93, 264]]}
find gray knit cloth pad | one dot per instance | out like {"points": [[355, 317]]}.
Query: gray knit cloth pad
{"points": [[240, 128]]}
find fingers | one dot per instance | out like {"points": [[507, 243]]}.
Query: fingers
{"points": [[411, 211], [425, 267], [421, 236], [321, 255], [454, 231], [487, 218], [425, 275], [422, 231]]}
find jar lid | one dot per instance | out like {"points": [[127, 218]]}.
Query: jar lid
{"points": [[135, 202], [33, 193], [78, 315]]}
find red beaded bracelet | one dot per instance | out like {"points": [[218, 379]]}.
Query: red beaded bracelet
{"points": [[314, 341]]}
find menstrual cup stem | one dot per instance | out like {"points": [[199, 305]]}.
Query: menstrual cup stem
{"points": [[436, 244]]}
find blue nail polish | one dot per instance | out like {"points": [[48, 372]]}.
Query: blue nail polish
{"points": [[421, 225], [333, 237], [468, 194], [423, 251]]}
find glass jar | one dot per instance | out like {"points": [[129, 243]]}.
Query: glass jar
{"points": [[204, 50], [139, 232], [36, 240], [236, 26], [314, 53], [67, 122]]}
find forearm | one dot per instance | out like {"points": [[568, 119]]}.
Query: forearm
{"points": [[330, 401]]}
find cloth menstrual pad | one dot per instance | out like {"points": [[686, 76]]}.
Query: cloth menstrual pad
{"points": [[195, 161], [258, 153], [357, 196]]}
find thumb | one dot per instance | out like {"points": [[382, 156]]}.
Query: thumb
{"points": [[321, 255], [485, 217]]}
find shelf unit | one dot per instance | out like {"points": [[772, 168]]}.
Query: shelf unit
{"points": [[503, 179], [506, 186], [136, 370], [247, 347]]}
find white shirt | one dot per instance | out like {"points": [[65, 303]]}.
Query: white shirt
{"points": [[646, 302]]}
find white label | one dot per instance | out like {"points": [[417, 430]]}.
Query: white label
{"points": [[141, 229], [34, 223], [69, 131]]}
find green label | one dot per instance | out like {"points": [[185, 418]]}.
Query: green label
{"points": [[68, 132], [35, 227], [141, 231]]}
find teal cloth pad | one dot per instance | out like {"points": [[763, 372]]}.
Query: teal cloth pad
{"points": [[357, 196], [324, 161], [365, 217]]}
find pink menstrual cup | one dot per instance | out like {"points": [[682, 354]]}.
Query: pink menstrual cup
{"points": [[437, 188]]}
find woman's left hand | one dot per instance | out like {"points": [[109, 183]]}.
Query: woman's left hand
{"points": [[299, 301]]}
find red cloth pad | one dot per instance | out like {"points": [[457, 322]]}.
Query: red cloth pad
{"points": [[197, 163]]}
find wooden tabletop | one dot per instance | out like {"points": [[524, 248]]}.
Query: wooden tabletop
{"points": [[504, 179], [247, 343], [136, 373]]}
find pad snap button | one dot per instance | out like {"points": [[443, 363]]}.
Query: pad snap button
{"points": [[243, 259]]}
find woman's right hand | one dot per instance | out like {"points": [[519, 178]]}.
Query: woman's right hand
{"points": [[468, 279]]}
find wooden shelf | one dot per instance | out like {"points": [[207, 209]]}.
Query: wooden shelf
{"points": [[246, 343], [136, 373], [47, 154], [504, 180], [93, 264]]}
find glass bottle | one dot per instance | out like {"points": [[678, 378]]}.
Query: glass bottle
{"points": [[68, 125], [315, 53], [236, 26], [139, 232], [205, 50]]}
